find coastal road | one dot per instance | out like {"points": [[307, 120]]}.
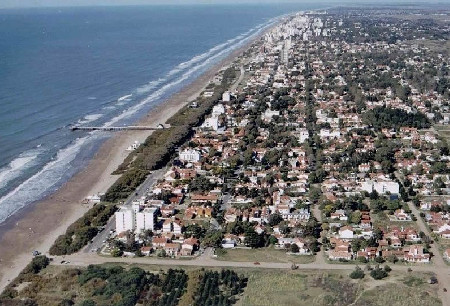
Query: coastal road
{"points": [[151, 179], [206, 260], [238, 81], [98, 241], [104, 235], [82, 259]]}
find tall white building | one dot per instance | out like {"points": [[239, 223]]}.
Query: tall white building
{"points": [[124, 220], [135, 219], [146, 219]]}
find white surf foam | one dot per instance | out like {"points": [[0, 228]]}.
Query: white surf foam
{"points": [[161, 91], [150, 86], [39, 184], [200, 57], [17, 166], [125, 98], [90, 118]]}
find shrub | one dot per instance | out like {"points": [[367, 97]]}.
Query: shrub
{"points": [[378, 273], [66, 302], [358, 273], [362, 259], [294, 248], [37, 264], [392, 258], [88, 303]]}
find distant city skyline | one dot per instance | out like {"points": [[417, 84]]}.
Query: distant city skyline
{"points": [[68, 3]]}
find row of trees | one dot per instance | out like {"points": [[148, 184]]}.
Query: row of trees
{"points": [[219, 288], [83, 230], [128, 287], [376, 273], [386, 117], [159, 148]]}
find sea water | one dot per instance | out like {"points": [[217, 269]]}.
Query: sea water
{"points": [[102, 66]]}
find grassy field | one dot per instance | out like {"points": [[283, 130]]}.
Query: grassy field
{"points": [[300, 288], [382, 220], [410, 291], [264, 287], [263, 255]]}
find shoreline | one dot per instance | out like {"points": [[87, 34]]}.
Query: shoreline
{"points": [[36, 226]]}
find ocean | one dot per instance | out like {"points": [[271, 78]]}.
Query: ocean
{"points": [[99, 66]]}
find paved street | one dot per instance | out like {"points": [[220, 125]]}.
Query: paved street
{"points": [[206, 260], [97, 242]]}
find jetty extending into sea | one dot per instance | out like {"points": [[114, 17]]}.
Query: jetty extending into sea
{"points": [[119, 128]]}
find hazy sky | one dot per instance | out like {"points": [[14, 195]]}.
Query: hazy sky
{"points": [[43, 3]]}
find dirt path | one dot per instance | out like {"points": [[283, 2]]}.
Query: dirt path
{"points": [[441, 269]]}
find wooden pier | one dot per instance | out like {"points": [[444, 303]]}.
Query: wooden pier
{"points": [[118, 128]]}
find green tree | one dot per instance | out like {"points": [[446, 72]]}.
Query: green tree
{"points": [[356, 217], [37, 264], [358, 273], [275, 219], [294, 248], [378, 273], [213, 239], [252, 239]]}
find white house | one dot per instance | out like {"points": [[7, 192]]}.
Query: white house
{"points": [[346, 232], [447, 254], [211, 123], [177, 227], [302, 134], [218, 110], [190, 155], [268, 114], [381, 187], [444, 230], [326, 133], [415, 254], [228, 243], [167, 226], [226, 96]]}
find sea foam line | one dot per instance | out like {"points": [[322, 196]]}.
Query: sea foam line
{"points": [[35, 187], [198, 58], [160, 92], [40, 183], [17, 166]]}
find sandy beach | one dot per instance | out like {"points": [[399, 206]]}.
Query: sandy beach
{"points": [[37, 226]]}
